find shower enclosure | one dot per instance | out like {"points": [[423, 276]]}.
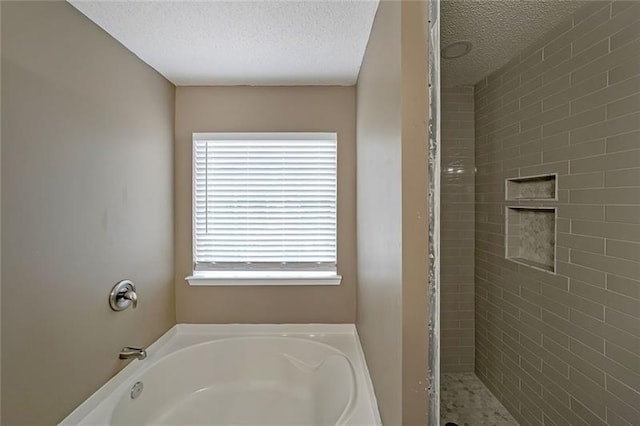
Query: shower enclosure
{"points": [[540, 240]]}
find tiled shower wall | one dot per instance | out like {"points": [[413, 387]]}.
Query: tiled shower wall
{"points": [[457, 230], [565, 348]]}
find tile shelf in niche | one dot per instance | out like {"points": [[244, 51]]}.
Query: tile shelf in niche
{"points": [[532, 188], [531, 236]]}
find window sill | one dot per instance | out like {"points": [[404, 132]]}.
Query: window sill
{"points": [[271, 278]]}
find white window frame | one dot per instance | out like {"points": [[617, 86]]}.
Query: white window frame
{"points": [[255, 277]]}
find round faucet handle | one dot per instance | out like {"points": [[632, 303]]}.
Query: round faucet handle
{"points": [[123, 295], [132, 296]]}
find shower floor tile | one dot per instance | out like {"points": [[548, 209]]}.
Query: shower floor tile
{"points": [[465, 401]]}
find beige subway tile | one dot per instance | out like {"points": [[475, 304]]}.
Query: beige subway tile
{"points": [[604, 61], [590, 85], [603, 330], [608, 298], [467, 107], [607, 28], [556, 281], [581, 27], [612, 161], [571, 329], [613, 419], [619, 407], [606, 195], [586, 414], [459, 98], [577, 62], [535, 347], [624, 393], [582, 180], [560, 167], [612, 94], [456, 115], [625, 286], [577, 272], [611, 127], [615, 265], [580, 242], [606, 363], [535, 57], [563, 195], [579, 119], [618, 6], [545, 117], [628, 69], [522, 90], [503, 133], [581, 211], [587, 390], [449, 107], [624, 250], [515, 118], [480, 85], [530, 413], [612, 229], [626, 105], [548, 304], [523, 161], [624, 177], [506, 87], [623, 215], [549, 332], [556, 63], [554, 412], [574, 152], [628, 323], [551, 35], [457, 89], [532, 380], [543, 144], [630, 33], [574, 301], [522, 304], [574, 361], [588, 10], [499, 74], [545, 91], [511, 299], [627, 359], [562, 254]]}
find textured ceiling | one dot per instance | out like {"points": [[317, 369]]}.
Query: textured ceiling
{"points": [[242, 42], [498, 29]]}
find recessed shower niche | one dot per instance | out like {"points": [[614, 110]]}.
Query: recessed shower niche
{"points": [[531, 236], [532, 188]]}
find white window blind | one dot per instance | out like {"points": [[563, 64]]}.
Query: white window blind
{"points": [[264, 201]]}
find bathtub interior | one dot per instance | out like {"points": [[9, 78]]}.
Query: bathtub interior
{"points": [[244, 381], [311, 374]]}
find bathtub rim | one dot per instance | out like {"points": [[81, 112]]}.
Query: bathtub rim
{"points": [[161, 347]]}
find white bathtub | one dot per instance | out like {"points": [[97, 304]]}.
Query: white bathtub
{"points": [[241, 375]]}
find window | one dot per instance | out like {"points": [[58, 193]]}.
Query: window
{"points": [[264, 208]]}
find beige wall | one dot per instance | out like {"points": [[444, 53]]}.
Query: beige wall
{"points": [[415, 217], [0, 221], [415, 223], [392, 210], [266, 109], [379, 318], [86, 201], [565, 348], [457, 230]]}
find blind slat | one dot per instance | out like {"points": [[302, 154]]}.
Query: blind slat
{"points": [[265, 203]]}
